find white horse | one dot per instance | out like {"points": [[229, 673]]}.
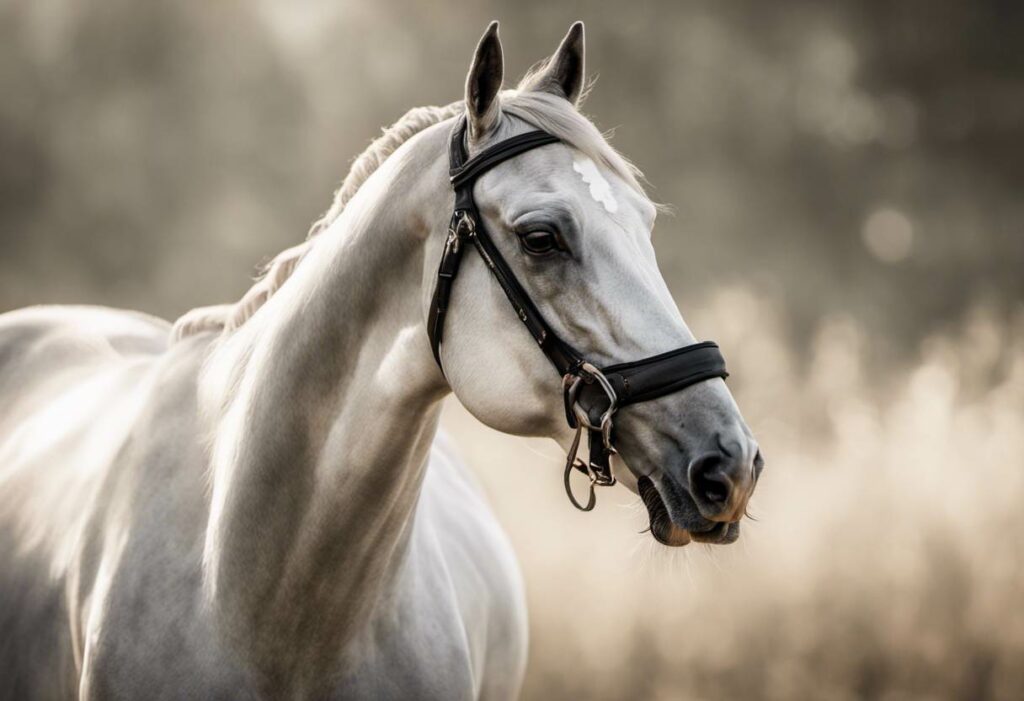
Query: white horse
{"points": [[256, 503]]}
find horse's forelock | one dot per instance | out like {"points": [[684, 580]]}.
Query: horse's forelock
{"points": [[555, 115]]}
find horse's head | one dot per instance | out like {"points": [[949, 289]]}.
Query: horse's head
{"points": [[574, 227]]}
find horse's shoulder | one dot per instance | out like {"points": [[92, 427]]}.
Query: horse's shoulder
{"points": [[483, 566], [457, 505]]}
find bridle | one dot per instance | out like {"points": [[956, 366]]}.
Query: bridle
{"points": [[591, 395]]}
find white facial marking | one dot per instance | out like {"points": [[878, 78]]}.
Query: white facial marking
{"points": [[600, 190]]}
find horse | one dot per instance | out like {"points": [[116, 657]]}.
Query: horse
{"points": [[256, 502]]}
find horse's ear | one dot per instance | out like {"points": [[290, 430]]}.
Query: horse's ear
{"points": [[563, 74], [484, 82]]}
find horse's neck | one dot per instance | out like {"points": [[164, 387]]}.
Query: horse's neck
{"points": [[325, 412]]}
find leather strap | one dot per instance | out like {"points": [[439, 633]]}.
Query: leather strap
{"points": [[466, 173], [654, 377]]}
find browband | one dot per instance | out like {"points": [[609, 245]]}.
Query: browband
{"points": [[591, 395], [463, 173]]}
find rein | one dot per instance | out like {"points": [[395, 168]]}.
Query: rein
{"points": [[591, 395]]}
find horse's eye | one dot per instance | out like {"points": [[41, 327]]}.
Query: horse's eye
{"points": [[539, 243]]}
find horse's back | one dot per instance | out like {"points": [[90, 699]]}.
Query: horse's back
{"points": [[42, 346], [63, 370]]}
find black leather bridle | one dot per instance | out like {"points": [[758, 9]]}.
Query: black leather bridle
{"points": [[591, 395]]}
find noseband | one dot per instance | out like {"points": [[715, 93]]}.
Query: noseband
{"points": [[591, 395]]}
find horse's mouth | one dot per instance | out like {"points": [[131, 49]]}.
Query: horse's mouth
{"points": [[667, 531], [662, 528]]}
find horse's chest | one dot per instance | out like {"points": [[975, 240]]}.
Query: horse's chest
{"points": [[417, 646], [416, 667]]}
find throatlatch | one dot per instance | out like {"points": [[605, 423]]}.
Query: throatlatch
{"points": [[591, 395]]}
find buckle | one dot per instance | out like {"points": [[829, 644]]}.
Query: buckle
{"points": [[600, 474], [576, 415], [462, 225]]}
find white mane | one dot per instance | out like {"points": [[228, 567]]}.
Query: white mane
{"points": [[551, 113]]}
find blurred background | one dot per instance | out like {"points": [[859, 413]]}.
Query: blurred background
{"points": [[846, 179]]}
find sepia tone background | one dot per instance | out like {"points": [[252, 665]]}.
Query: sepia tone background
{"points": [[846, 181]]}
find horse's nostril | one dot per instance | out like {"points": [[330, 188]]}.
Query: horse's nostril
{"points": [[715, 490], [708, 480]]}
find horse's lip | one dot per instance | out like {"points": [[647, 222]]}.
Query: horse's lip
{"points": [[667, 531], [662, 527], [718, 533]]}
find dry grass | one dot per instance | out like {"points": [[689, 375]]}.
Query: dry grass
{"points": [[885, 563]]}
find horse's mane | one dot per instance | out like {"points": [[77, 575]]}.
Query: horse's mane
{"points": [[280, 268], [545, 111]]}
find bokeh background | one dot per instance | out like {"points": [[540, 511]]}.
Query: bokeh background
{"points": [[846, 178]]}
